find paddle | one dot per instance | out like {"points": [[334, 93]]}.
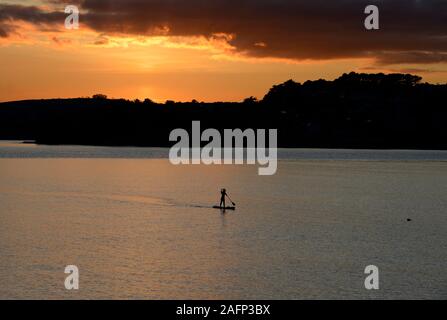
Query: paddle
{"points": [[231, 200]]}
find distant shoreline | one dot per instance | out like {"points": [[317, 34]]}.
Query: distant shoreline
{"points": [[285, 148], [355, 111]]}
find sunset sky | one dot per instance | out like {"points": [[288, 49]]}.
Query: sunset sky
{"points": [[210, 50]]}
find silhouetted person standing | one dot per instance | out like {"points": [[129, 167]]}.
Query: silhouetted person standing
{"points": [[223, 194]]}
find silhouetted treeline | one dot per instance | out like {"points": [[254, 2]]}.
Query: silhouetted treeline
{"points": [[353, 111]]}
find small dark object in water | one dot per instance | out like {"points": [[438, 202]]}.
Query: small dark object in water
{"points": [[409, 220]]}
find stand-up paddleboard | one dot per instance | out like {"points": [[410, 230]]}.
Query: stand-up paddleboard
{"points": [[224, 208]]}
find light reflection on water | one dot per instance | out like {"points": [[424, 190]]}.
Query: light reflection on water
{"points": [[142, 228], [18, 149]]}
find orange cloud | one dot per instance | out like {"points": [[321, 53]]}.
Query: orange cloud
{"points": [[412, 31]]}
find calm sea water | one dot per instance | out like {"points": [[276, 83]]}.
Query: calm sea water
{"points": [[139, 227]]}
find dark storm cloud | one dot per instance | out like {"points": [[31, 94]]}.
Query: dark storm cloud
{"points": [[31, 14], [411, 31], [411, 57]]}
